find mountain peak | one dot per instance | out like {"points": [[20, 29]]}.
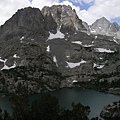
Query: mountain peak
{"points": [[64, 16], [24, 21], [103, 18], [100, 26]]}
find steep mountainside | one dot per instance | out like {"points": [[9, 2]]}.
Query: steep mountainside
{"points": [[50, 49], [23, 56]]}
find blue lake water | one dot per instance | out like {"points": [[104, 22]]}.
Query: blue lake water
{"points": [[95, 99]]}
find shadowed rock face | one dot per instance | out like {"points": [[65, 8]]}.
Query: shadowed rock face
{"points": [[65, 18], [114, 27], [23, 56], [25, 21]]}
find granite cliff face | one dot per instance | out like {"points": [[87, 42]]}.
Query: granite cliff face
{"points": [[62, 18], [50, 49]]}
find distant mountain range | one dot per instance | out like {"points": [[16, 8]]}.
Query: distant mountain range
{"points": [[53, 48], [104, 27]]}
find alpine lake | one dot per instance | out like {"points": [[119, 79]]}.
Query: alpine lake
{"points": [[95, 99]]}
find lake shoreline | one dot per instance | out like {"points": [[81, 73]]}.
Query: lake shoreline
{"points": [[111, 91]]}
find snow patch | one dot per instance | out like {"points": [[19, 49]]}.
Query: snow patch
{"points": [[57, 35], [77, 42], [4, 61], [88, 33], [74, 81], [15, 56], [67, 66], [101, 58], [7, 68], [48, 48], [96, 37], [73, 65], [55, 60], [114, 39], [75, 33], [92, 30], [98, 66], [67, 56], [1, 60], [22, 38], [80, 43], [103, 50], [87, 45]]}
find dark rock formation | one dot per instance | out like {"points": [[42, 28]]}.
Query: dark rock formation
{"points": [[111, 111], [25, 21], [51, 24], [23, 56]]}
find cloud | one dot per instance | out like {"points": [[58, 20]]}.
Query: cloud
{"points": [[80, 1], [107, 8], [9, 7], [97, 8], [41, 3]]}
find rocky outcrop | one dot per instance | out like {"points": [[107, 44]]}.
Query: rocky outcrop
{"points": [[64, 16], [111, 111]]}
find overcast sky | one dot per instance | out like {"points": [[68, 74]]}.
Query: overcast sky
{"points": [[87, 10]]}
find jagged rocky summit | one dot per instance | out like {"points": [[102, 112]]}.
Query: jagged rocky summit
{"points": [[51, 49], [62, 18]]}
